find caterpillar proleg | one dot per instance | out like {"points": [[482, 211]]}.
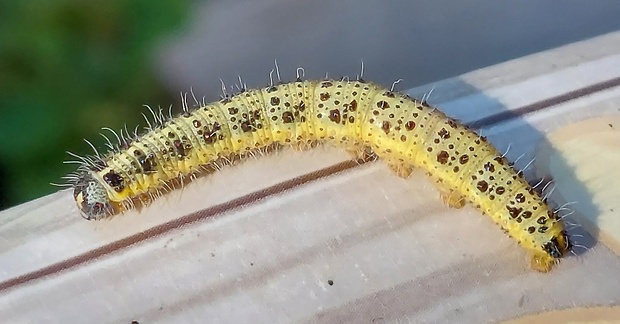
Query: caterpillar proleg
{"points": [[358, 116]]}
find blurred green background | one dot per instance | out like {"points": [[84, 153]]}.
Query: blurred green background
{"points": [[68, 68]]}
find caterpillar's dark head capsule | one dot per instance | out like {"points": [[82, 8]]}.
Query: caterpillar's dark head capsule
{"points": [[91, 197]]}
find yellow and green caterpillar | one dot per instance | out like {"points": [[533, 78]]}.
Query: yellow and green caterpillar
{"points": [[358, 116]]}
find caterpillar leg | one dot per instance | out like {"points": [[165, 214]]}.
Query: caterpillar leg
{"points": [[452, 199], [401, 169], [361, 153], [303, 146], [542, 262]]}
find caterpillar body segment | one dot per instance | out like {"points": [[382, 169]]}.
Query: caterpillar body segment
{"points": [[363, 118]]}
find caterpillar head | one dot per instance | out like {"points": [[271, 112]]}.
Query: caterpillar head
{"points": [[91, 197]]}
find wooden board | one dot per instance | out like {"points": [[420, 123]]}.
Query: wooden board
{"points": [[310, 237]]}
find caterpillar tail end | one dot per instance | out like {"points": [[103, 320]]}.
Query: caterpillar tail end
{"points": [[542, 262], [554, 250]]}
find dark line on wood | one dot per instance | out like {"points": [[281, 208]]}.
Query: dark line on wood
{"points": [[179, 222], [539, 105]]}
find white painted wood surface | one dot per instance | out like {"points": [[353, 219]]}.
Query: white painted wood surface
{"points": [[359, 245]]}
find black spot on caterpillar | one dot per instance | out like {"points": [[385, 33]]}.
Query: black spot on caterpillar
{"points": [[358, 116]]}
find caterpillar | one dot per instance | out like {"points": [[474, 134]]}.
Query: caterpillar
{"points": [[359, 116]]}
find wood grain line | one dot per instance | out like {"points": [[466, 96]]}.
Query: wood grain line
{"points": [[546, 103], [179, 222]]}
